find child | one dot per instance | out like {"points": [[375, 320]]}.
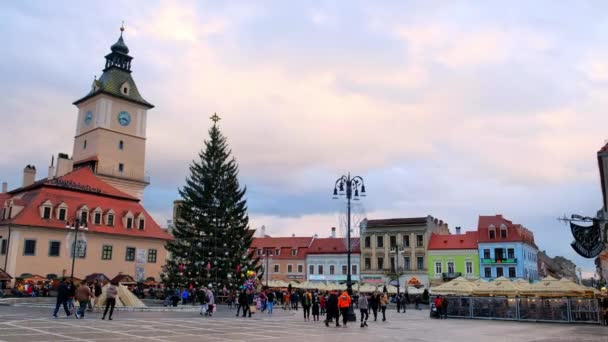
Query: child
{"points": [[315, 308]]}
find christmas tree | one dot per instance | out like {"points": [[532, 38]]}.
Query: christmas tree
{"points": [[211, 232]]}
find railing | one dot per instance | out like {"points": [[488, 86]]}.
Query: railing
{"points": [[451, 275], [499, 261], [565, 310]]}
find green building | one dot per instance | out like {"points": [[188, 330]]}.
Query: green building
{"points": [[452, 256]]}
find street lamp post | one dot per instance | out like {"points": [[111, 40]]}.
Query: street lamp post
{"points": [[349, 186], [76, 225], [267, 270], [398, 250]]}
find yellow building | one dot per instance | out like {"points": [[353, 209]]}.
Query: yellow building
{"points": [[98, 190]]}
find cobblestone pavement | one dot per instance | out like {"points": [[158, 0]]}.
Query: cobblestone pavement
{"points": [[34, 324]]}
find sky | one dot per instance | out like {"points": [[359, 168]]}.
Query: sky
{"points": [[453, 109]]}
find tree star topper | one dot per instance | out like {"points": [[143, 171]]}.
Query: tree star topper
{"points": [[215, 118]]}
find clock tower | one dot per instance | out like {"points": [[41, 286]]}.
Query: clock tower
{"points": [[111, 128]]}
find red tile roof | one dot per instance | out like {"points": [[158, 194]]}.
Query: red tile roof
{"points": [[278, 242], [82, 180], [333, 246], [515, 232], [459, 241], [78, 188], [285, 244]]}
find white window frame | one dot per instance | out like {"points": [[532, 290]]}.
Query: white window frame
{"points": [[438, 270], [466, 268], [276, 268], [447, 267], [344, 269], [300, 268], [353, 269], [330, 267], [61, 207], [313, 269], [289, 268], [320, 269]]}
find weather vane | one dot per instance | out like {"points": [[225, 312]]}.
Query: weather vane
{"points": [[215, 118]]}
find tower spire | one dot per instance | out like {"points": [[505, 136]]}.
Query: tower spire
{"points": [[122, 28]]}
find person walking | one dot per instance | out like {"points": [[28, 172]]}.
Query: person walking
{"points": [[332, 309], [322, 298], [439, 306], [398, 302], [295, 299], [242, 303], [202, 297], [210, 302], [403, 303], [270, 298], [185, 295], [363, 307], [306, 304], [444, 307], [250, 302], [315, 308], [97, 292], [83, 295], [71, 295], [62, 299], [111, 293], [344, 302], [383, 304], [373, 304]]}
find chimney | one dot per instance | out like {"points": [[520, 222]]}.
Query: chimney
{"points": [[4, 187], [457, 230], [29, 175], [293, 235], [52, 168], [263, 231], [333, 232], [64, 165]]}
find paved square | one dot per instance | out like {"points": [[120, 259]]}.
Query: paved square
{"points": [[34, 324]]}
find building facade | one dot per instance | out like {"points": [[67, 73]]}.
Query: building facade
{"points": [[283, 257], [453, 256], [100, 187], [393, 248], [327, 260], [506, 249]]}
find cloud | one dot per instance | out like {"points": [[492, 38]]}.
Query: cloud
{"points": [[449, 110]]}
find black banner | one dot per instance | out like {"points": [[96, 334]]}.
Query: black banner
{"points": [[587, 240]]}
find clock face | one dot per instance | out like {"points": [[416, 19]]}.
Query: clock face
{"points": [[124, 118], [88, 118]]}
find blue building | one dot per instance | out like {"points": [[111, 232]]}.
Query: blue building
{"points": [[506, 249]]}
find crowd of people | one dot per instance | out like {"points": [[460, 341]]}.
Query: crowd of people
{"points": [[331, 304], [87, 296]]}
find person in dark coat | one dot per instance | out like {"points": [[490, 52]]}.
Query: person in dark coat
{"points": [[315, 307], [243, 303], [62, 299], [373, 304], [332, 309], [250, 301]]}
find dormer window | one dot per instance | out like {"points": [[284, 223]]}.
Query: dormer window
{"points": [[125, 89], [128, 220], [97, 216], [503, 232], [110, 218], [46, 209], [294, 252], [62, 211], [492, 232], [277, 251], [141, 222], [46, 213], [84, 215], [259, 252]]}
